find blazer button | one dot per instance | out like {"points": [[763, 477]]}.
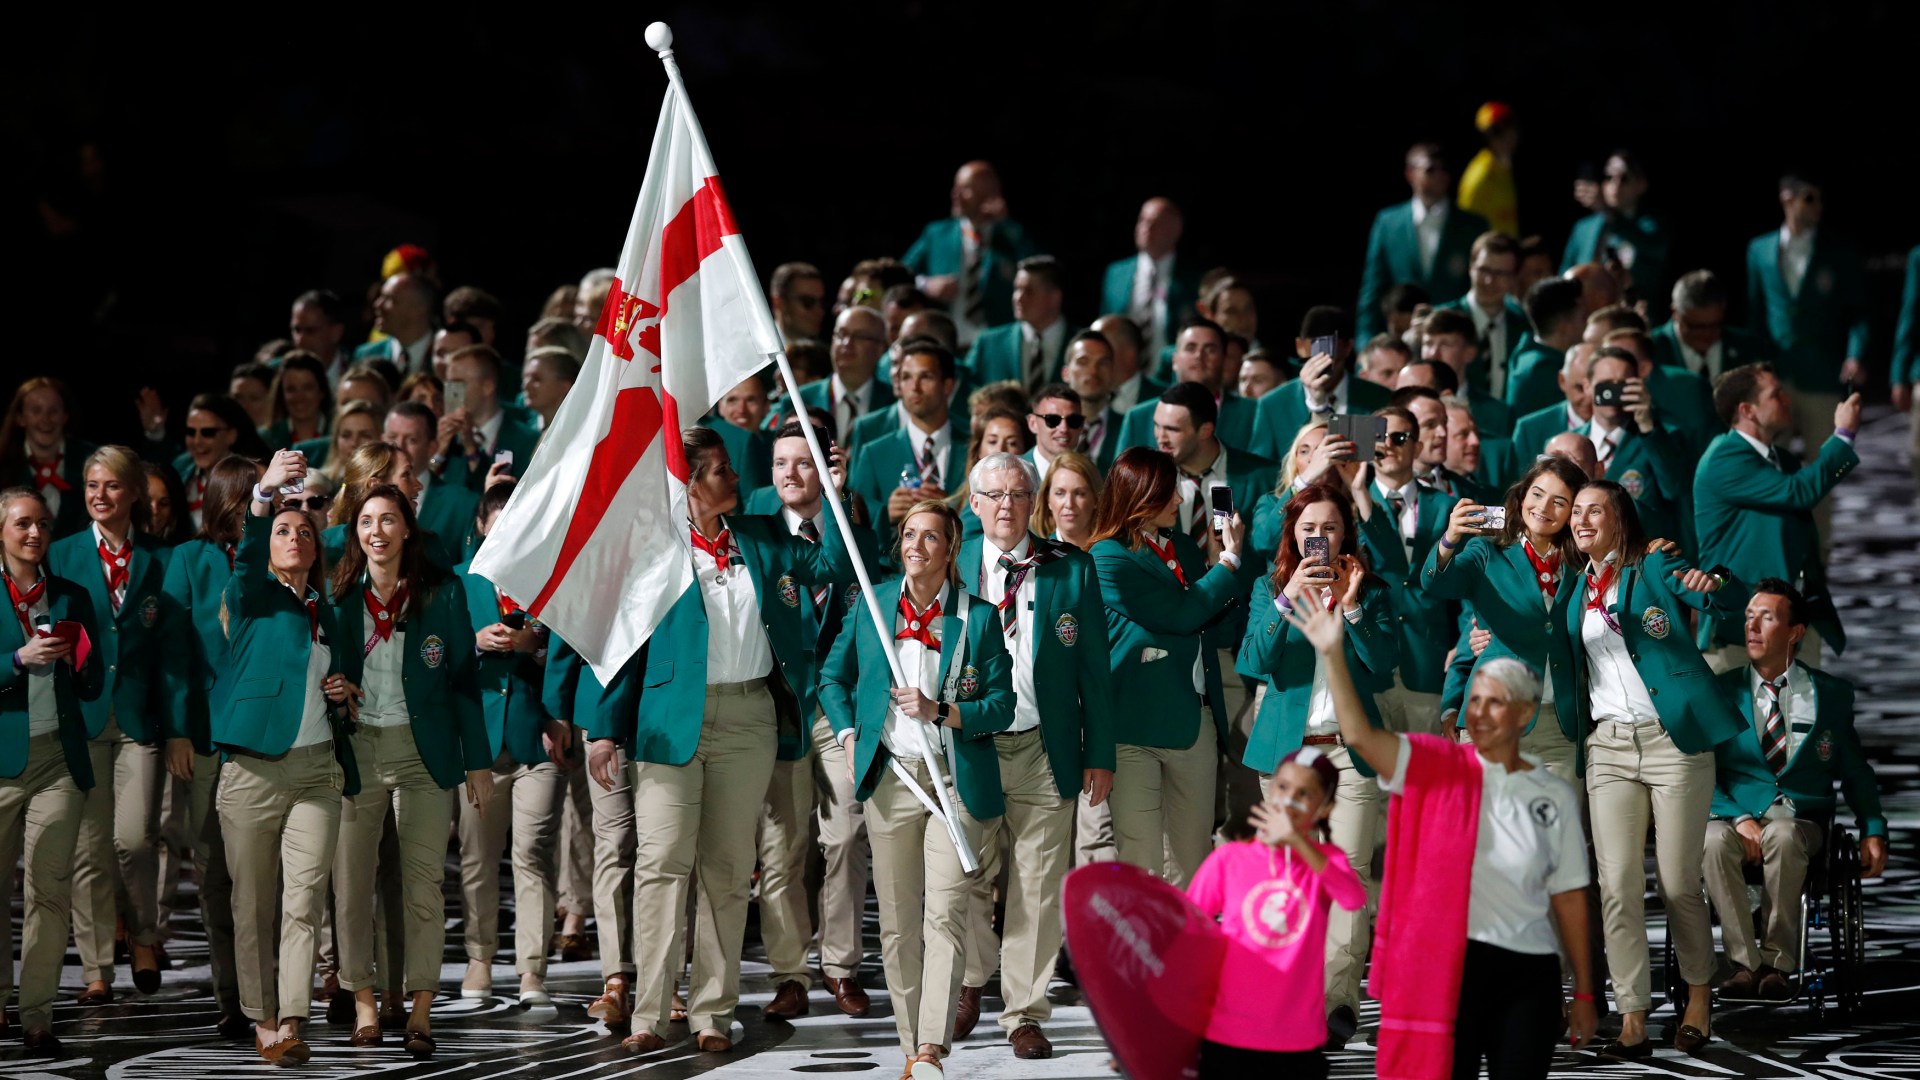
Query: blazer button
{"points": [[1653, 691]]}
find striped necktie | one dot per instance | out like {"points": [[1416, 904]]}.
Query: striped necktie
{"points": [[811, 534], [1773, 739]]}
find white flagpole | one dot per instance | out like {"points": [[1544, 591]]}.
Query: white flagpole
{"points": [[660, 39]]}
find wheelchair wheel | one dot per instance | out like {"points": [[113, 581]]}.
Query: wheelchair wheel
{"points": [[1846, 917]]}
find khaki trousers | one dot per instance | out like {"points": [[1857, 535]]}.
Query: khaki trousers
{"points": [[1034, 842], [924, 896], [848, 858], [392, 778], [1163, 802], [527, 799], [575, 883], [116, 871], [1635, 772], [176, 842], [1354, 824], [1786, 846], [1408, 711], [40, 814], [1238, 787], [1547, 742], [1093, 831], [700, 820], [216, 885], [612, 866], [280, 818], [786, 828]]}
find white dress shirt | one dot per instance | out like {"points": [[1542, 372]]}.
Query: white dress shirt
{"points": [[314, 727], [1037, 348], [1127, 394], [1528, 848], [1492, 329], [43, 706], [1798, 706], [386, 701], [922, 665], [488, 434], [1708, 363], [993, 581], [1429, 222], [1795, 253], [1149, 305], [1320, 717], [1193, 497], [1606, 441], [942, 443], [844, 414], [1409, 522], [737, 649], [1616, 689], [1337, 404]]}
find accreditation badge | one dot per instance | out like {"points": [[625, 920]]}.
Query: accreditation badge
{"points": [[1655, 623], [433, 651], [1067, 629]]}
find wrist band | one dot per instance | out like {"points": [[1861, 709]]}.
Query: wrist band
{"points": [[1446, 544], [1588, 998], [1843, 432], [261, 494]]}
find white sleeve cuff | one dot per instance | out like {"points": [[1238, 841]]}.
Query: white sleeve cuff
{"points": [[1231, 560]]}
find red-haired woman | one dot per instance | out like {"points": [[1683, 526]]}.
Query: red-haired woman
{"points": [[1163, 593], [1297, 709]]}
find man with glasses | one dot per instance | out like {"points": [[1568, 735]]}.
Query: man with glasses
{"points": [[1424, 241], [1057, 424], [966, 260], [1400, 521], [859, 337], [1697, 337], [1807, 297], [1059, 745], [1498, 321], [799, 296]]}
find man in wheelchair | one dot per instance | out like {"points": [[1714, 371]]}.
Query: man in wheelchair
{"points": [[1773, 793]]}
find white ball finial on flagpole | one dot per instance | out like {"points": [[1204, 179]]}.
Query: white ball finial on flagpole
{"points": [[659, 37]]}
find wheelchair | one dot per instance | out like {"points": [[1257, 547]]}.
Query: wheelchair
{"points": [[1830, 901]]}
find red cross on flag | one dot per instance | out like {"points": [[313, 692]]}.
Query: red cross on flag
{"points": [[581, 543]]}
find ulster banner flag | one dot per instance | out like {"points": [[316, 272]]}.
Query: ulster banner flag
{"points": [[594, 542]]}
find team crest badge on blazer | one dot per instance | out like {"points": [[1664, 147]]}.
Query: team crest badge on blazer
{"points": [[149, 611], [1067, 629], [1633, 482], [1825, 746], [853, 595], [1655, 623], [789, 592], [433, 651], [969, 681]]}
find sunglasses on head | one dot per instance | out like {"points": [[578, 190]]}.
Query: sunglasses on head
{"points": [[1073, 420]]}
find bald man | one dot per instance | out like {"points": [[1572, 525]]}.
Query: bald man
{"points": [[1578, 449], [1154, 287], [403, 314], [1598, 287], [966, 260]]}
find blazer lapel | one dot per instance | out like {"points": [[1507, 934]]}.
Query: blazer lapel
{"points": [[1770, 268], [1808, 737], [971, 573], [1043, 586]]}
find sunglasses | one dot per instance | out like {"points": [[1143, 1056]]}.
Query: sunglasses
{"points": [[1397, 438], [205, 432], [1073, 420], [308, 502]]}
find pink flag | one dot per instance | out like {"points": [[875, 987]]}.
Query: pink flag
{"points": [[594, 541]]}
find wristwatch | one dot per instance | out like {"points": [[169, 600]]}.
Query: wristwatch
{"points": [[945, 710]]}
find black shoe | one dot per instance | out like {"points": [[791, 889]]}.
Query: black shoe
{"points": [[1620, 1051], [340, 1008], [1341, 1025], [1741, 985]]}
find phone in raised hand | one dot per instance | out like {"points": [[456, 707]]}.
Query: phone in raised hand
{"points": [[1222, 499]]}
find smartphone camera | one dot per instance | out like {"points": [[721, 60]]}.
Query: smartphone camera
{"points": [[1608, 393], [1494, 519]]}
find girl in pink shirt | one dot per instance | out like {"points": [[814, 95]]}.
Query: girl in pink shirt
{"points": [[1272, 895]]}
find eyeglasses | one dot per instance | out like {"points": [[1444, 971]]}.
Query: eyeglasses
{"points": [[1073, 420], [205, 432], [1006, 496], [1395, 438]]}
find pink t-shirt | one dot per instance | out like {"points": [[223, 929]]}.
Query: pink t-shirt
{"points": [[1272, 993]]}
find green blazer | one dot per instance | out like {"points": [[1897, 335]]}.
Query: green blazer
{"points": [[751, 452], [1692, 709], [1738, 347], [519, 432], [1183, 288], [1643, 234], [1500, 464], [654, 705], [316, 450], [129, 641], [1071, 660], [513, 688], [996, 355], [1533, 378], [1156, 628], [446, 511], [193, 643], [881, 423], [1826, 323], [938, 251], [856, 694], [569, 688], [1496, 586], [1828, 750], [269, 639], [279, 436], [73, 510], [1906, 338], [1422, 623], [1283, 412], [1515, 320], [1393, 256], [72, 687], [437, 677], [1532, 432], [814, 395], [1758, 522], [1489, 413], [1235, 427], [1273, 650], [1683, 402], [1653, 469], [875, 474]]}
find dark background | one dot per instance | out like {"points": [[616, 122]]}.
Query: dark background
{"points": [[234, 164]]}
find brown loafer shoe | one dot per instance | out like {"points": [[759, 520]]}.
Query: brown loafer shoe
{"points": [[1690, 1039], [420, 1044], [97, 993], [393, 1015], [288, 1051], [645, 1042], [849, 995], [329, 987], [1742, 984], [367, 1036], [1028, 1042], [789, 1001], [41, 1043], [575, 948], [611, 1008], [713, 1043], [967, 1015], [1774, 985]]}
